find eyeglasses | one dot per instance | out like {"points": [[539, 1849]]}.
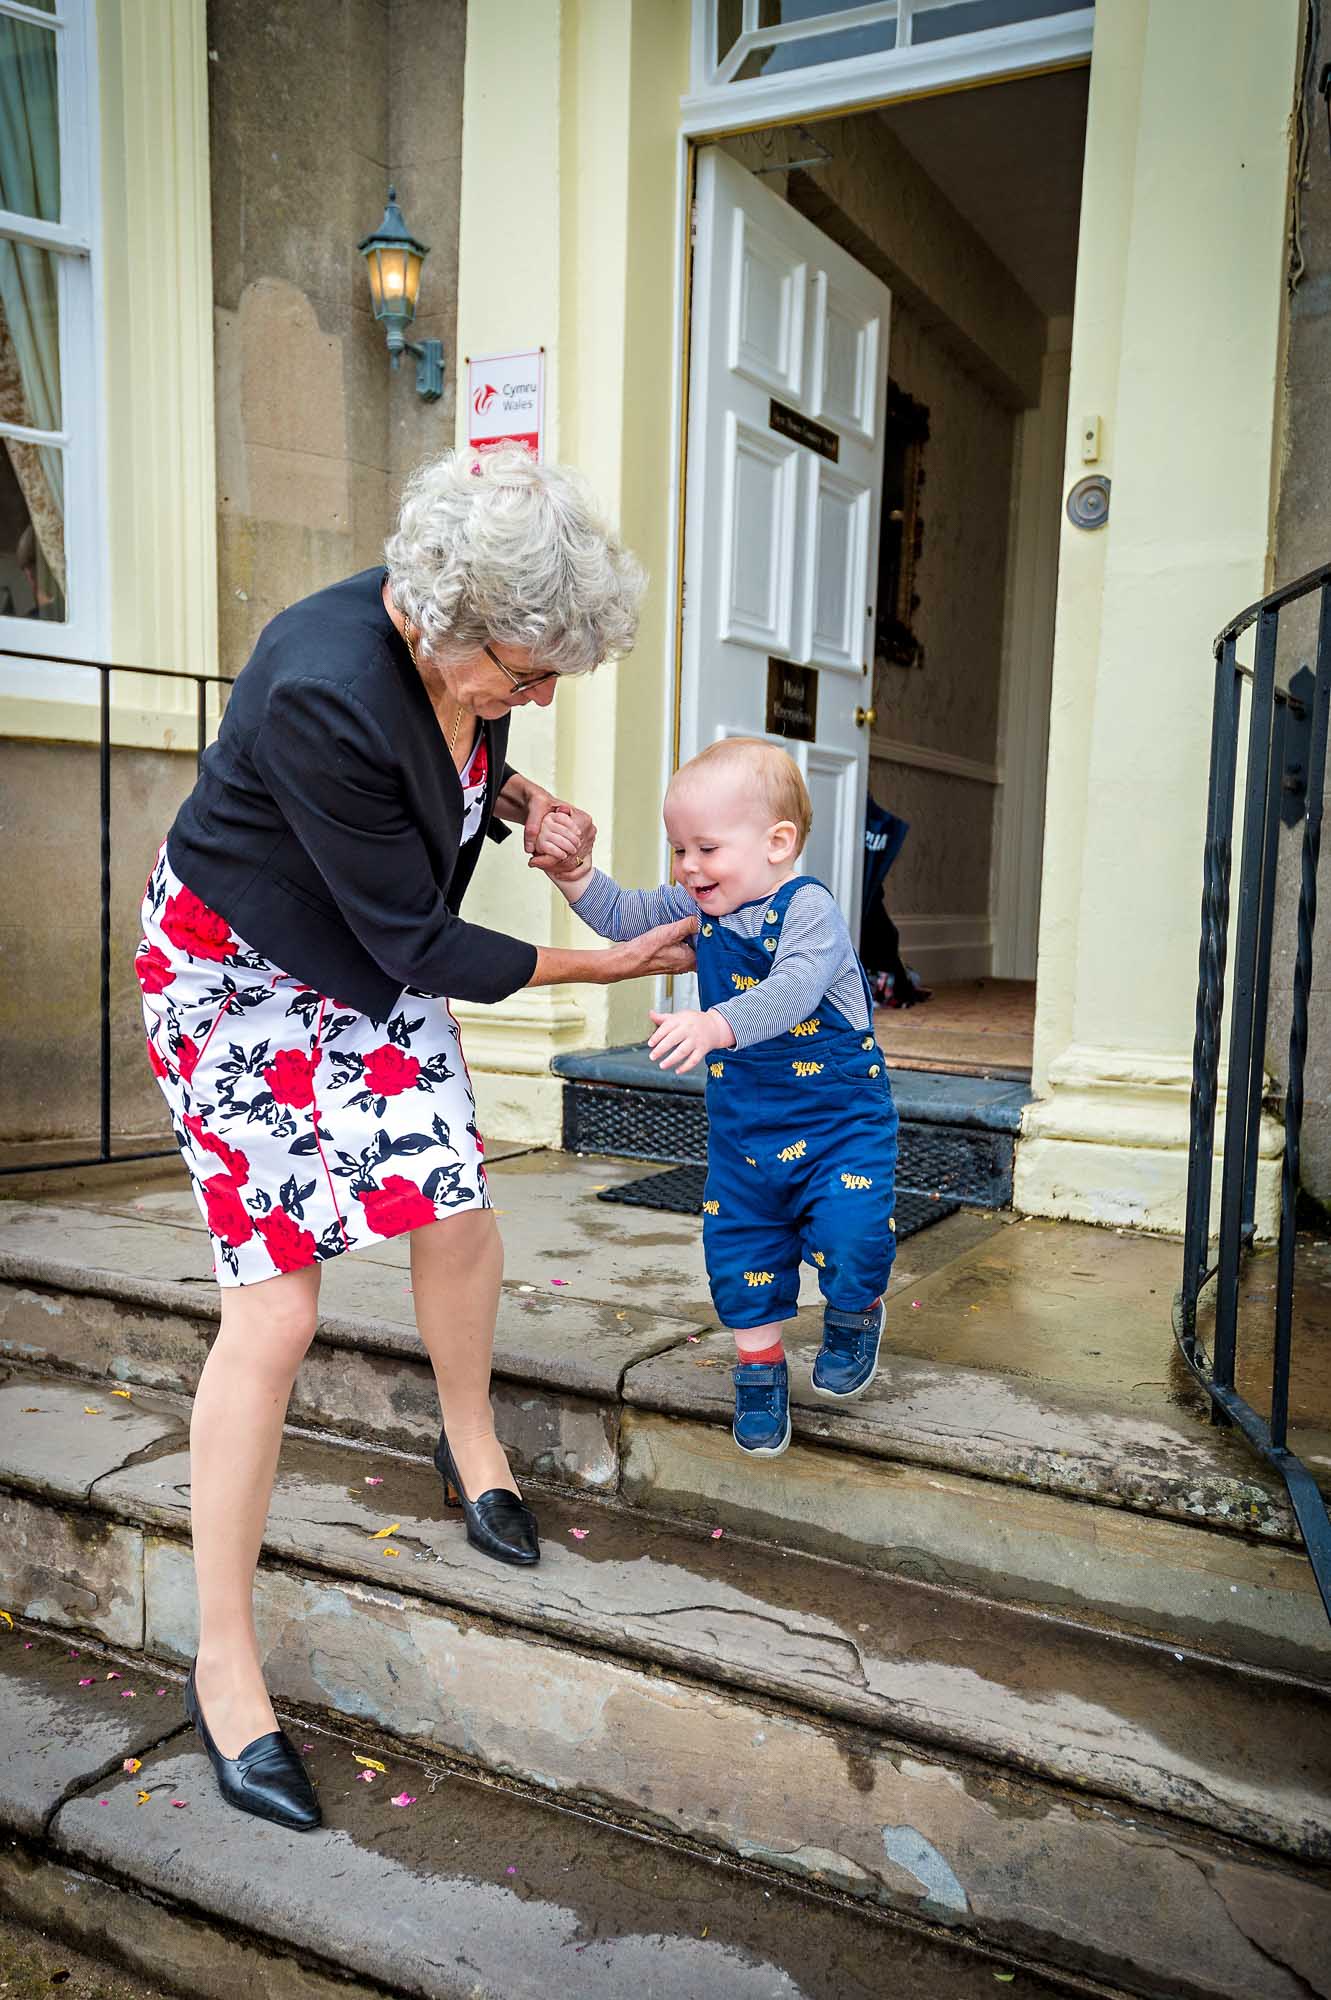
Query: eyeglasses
{"points": [[518, 680]]}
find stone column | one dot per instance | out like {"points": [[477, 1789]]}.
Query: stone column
{"points": [[569, 215], [1176, 346]]}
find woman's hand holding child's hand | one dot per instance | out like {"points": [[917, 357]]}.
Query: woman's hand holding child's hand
{"points": [[682, 1040], [563, 846]]}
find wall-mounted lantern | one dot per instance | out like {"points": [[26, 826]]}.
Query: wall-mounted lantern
{"points": [[393, 259]]}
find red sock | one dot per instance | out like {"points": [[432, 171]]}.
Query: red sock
{"points": [[767, 1355]]}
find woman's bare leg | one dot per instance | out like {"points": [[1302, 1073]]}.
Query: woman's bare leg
{"points": [[235, 1437], [456, 1268]]}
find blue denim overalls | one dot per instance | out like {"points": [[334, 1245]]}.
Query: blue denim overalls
{"points": [[802, 1148]]}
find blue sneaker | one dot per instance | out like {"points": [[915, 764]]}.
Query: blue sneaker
{"points": [[762, 1408], [848, 1358]]}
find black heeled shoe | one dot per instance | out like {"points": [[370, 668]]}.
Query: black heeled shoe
{"points": [[499, 1524], [267, 1779]]}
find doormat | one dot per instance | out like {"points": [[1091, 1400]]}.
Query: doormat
{"points": [[680, 1191]]}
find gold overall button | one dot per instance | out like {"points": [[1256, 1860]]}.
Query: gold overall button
{"points": [[873, 1069], [867, 1043], [769, 944], [770, 917], [707, 930]]}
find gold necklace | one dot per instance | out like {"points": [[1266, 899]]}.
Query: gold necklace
{"points": [[457, 724]]}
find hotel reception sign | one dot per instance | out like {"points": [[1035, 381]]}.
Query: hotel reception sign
{"points": [[506, 399]]}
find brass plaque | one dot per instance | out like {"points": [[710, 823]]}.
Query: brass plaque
{"points": [[792, 700], [804, 430]]}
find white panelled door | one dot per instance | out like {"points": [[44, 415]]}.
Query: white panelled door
{"points": [[787, 393]]}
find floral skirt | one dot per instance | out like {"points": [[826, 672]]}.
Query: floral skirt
{"points": [[307, 1128]]}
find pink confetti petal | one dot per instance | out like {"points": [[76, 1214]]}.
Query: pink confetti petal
{"points": [[692, 1339], [717, 1534], [110, 1677], [403, 1799], [306, 1746], [161, 1690], [103, 1802], [73, 1656], [915, 1305], [27, 1645], [179, 1804], [367, 1778], [510, 1870], [86, 1684], [579, 1534], [559, 1281], [373, 1482], [128, 1694]]}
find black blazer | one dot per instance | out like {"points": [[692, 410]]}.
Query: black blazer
{"points": [[326, 822]]}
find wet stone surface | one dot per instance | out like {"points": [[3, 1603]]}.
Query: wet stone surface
{"points": [[1090, 1709], [58, 1734], [469, 1890]]}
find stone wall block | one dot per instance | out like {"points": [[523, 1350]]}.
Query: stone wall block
{"points": [[73, 1570]]}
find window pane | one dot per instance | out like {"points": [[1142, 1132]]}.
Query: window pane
{"points": [[775, 13], [32, 536], [968, 17], [29, 336], [29, 120], [845, 45], [729, 24]]}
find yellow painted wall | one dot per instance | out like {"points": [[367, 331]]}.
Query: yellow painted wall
{"points": [[1176, 344], [568, 240]]}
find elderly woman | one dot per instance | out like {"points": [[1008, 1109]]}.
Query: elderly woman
{"points": [[302, 940]]}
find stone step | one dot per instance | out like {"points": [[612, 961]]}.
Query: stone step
{"points": [[1095, 1803], [957, 1134], [1111, 1507], [470, 1890]]}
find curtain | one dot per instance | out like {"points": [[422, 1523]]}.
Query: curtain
{"points": [[29, 312]]}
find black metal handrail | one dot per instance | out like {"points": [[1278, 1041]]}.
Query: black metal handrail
{"points": [[104, 669], [1285, 778]]}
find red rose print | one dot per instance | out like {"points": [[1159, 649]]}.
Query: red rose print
{"points": [[397, 1205], [187, 1057], [237, 1166], [228, 1216], [193, 927], [388, 1071], [154, 969], [290, 1077], [290, 1247], [155, 1061]]}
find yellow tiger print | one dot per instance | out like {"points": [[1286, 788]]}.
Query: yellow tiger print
{"points": [[807, 1068], [856, 1181], [716, 1069], [742, 980], [711, 1208], [794, 1152], [759, 1277], [820, 1260], [810, 1027]]}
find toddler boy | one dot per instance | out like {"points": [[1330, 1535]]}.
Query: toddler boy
{"points": [[802, 1136]]}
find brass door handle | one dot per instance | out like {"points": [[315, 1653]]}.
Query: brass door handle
{"points": [[865, 718]]}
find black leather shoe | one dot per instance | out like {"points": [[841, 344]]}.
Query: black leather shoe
{"points": [[267, 1779], [499, 1524]]}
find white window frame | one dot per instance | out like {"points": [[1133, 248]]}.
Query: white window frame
{"points": [[718, 103], [76, 240]]}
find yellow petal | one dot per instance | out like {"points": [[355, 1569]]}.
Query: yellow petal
{"points": [[370, 1763], [132, 1764], [123, 1392], [390, 1551], [8, 1620], [91, 1410], [143, 1798], [382, 1534]]}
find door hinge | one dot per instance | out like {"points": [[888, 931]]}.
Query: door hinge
{"points": [[693, 225]]}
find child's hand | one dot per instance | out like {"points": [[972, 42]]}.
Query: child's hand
{"points": [[682, 1040], [557, 848]]}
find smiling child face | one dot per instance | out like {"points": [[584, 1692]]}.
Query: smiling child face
{"points": [[727, 849]]}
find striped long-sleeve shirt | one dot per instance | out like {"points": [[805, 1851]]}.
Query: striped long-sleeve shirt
{"points": [[814, 957]]}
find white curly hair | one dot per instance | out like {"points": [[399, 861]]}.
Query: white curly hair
{"points": [[491, 545]]}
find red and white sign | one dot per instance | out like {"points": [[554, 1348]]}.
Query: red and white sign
{"points": [[506, 399]]}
